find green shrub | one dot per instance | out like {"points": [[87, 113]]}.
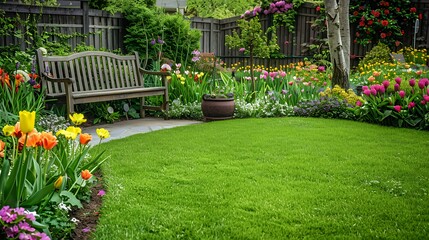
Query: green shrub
{"points": [[378, 54], [156, 35]]}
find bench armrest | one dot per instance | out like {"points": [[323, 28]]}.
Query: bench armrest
{"points": [[154, 73], [52, 79], [162, 74]]}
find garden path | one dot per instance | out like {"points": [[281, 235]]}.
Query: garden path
{"points": [[129, 127]]}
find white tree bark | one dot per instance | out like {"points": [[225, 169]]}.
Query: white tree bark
{"points": [[338, 56], [345, 30]]}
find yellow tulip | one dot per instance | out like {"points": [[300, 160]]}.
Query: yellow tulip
{"points": [[27, 120], [59, 182], [77, 118], [102, 133], [8, 130]]}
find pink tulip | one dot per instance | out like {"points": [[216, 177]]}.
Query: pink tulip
{"points": [[398, 80], [412, 82], [396, 87], [373, 91], [397, 108], [358, 103], [381, 89], [423, 102], [367, 92], [402, 93], [411, 105], [422, 83], [364, 88], [386, 84], [426, 98]]}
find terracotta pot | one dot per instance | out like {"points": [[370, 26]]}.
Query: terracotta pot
{"points": [[217, 108]]}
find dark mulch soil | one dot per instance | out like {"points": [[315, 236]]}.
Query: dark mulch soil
{"points": [[89, 214]]}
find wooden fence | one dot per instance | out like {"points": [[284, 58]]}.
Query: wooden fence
{"points": [[94, 27], [104, 30]]}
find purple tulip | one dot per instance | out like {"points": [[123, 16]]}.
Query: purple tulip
{"points": [[382, 89], [412, 82], [402, 93]]}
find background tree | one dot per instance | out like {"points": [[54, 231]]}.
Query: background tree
{"points": [[218, 8], [253, 40], [337, 19]]}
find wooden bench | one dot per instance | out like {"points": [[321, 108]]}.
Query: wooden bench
{"points": [[97, 76]]}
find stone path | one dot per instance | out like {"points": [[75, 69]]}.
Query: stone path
{"points": [[126, 128]]}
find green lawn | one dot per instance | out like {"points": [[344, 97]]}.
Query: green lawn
{"points": [[275, 178]]}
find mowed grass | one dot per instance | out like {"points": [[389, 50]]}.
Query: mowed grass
{"points": [[280, 178]]}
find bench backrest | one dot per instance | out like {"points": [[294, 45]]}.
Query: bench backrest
{"points": [[91, 70]]}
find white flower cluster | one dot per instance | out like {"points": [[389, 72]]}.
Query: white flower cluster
{"points": [[180, 110], [261, 108]]}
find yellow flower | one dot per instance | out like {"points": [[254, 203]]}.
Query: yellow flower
{"points": [[59, 182], [27, 120], [8, 130], [77, 118], [102, 133]]}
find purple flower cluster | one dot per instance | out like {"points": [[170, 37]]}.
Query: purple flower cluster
{"points": [[274, 7], [196, 56], [15, 223]]}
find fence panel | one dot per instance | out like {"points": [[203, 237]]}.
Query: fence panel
{"points": [[102, 30]]}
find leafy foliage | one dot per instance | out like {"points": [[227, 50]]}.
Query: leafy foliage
{"points": [[325, 107], [156, 35], [218, 8], [379, 53]]}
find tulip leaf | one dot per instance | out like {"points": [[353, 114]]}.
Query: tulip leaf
{"points": [[3, 177], [39, 196], [71, 199]]}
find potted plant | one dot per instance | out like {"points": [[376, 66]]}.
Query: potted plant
{"points": [[219, 104]]}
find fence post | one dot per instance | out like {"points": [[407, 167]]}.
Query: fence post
{"points": [[84, 5]]}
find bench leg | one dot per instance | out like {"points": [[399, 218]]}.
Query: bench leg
{"points": [[69, 102], [142, 110], [165, 105]]}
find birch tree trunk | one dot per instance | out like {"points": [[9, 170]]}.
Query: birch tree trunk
{"points": [[345, 30], [338, 55]]}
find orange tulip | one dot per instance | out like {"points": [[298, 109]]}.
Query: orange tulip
{"points": [[17, 132], [84, 138], [48, 141], [33, 139], [2, 145], [85, 174]]}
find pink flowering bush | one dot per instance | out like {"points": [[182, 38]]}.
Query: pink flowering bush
{"points": [[17, 223], [407, 105]]}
